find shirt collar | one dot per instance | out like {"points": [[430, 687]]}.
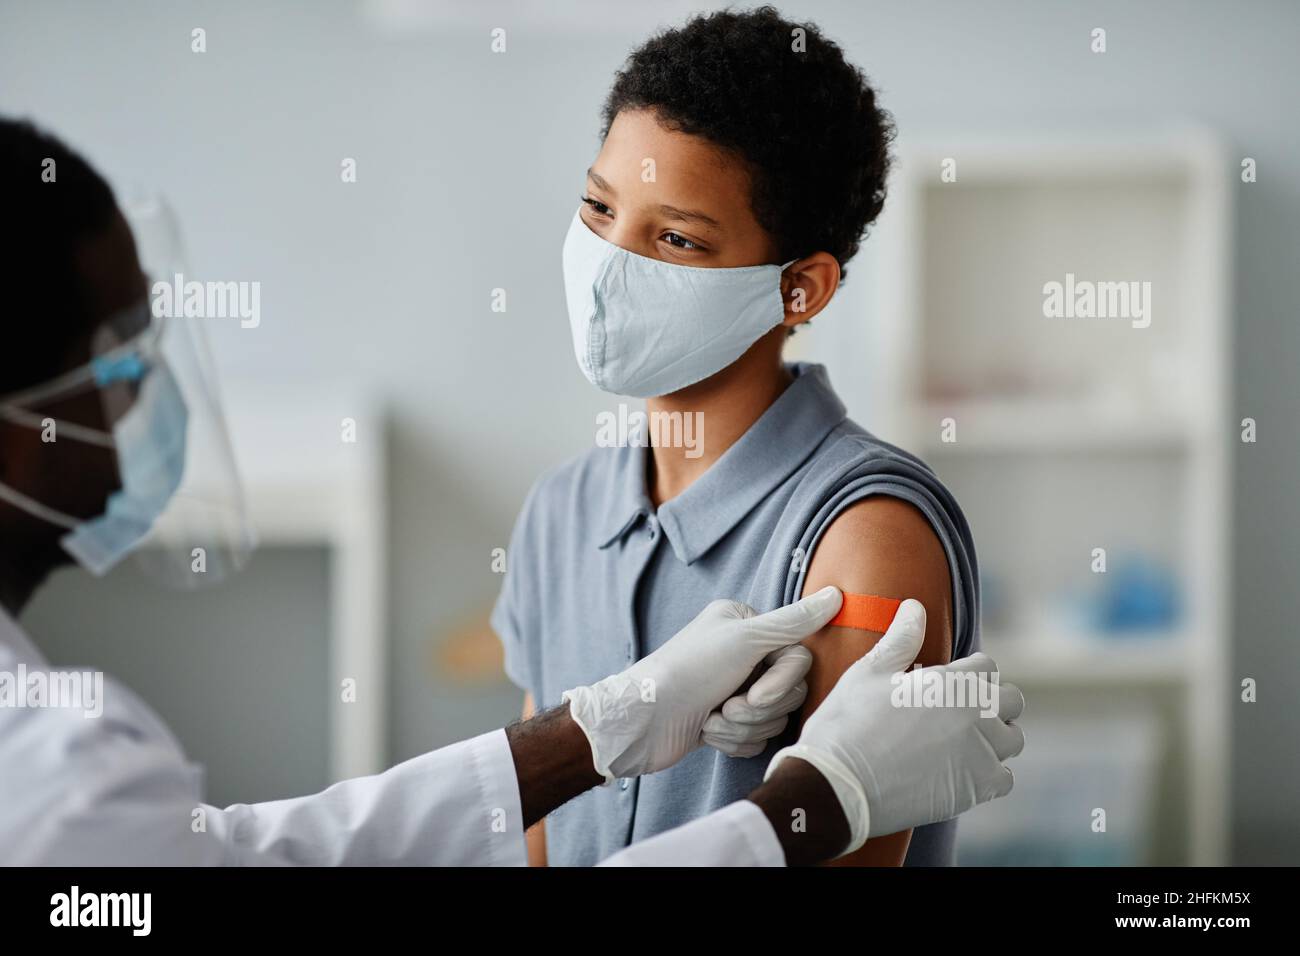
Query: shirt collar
{"points": [[628, 501], [751, 469]]}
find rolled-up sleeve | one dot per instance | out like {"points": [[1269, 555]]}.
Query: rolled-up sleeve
{"points": [[898, 474]]}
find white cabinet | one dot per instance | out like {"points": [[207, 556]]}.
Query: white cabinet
{"points": [[1106, 427]]}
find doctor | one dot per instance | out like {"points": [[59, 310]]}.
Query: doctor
{"points": [[100, 400]]}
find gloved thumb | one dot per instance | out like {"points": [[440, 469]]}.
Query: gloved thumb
{"points": [[792, 623], [897, 649]]}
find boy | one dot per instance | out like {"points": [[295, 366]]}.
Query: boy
{"points": [[742, 161]]}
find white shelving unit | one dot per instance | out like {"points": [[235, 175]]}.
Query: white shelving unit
{"points": [[1074, 433], [306, 487]]}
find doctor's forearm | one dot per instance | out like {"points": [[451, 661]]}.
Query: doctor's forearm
{"points": [[552, 761], [805, 813]]}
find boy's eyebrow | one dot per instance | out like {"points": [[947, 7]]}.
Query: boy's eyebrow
{"points": [[689, 215], [599, 180], [684, 215]]}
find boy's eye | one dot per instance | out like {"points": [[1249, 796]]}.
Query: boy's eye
{"points": [[673, 239], [596, 205]]}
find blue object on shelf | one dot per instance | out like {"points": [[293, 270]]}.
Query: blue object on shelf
{"points": [[1137, 595]]}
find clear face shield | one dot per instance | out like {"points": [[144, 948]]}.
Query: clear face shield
{"points": [[180, 508]]}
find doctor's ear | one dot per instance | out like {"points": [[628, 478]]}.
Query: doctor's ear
{"points": [[807, 286]]}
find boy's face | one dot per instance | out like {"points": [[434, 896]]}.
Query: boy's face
{"points": [[671, 196]]}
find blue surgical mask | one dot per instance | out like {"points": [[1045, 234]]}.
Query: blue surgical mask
{"points": [[149, 439], [644, 327]]}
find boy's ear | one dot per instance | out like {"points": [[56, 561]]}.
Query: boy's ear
{"points": [[807, 285]]}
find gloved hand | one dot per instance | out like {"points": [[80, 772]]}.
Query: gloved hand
{"points": [[894, 767], [744, 724], [654, 713]]}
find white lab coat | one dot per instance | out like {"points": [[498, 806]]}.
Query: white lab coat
{"points": [[117, 790]]}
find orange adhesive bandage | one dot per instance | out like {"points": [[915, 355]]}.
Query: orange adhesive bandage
{"points": [[866, 612]]}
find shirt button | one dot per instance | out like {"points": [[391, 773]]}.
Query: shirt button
{"points": [[652, 528], [622, 784]]}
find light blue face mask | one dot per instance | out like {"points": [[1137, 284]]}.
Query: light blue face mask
{"points": [[644, 327], [150, 442]]}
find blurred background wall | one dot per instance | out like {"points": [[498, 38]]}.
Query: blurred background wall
{"points": [[468, 169]]}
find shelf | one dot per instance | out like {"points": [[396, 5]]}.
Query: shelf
{"points": [[305, 485], [1094, 660], [1026, 425], [1073, 435]]}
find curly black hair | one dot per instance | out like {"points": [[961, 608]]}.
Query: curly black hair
{"points": [[804, 122]]}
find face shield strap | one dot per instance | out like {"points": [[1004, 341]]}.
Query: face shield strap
{"points": [[62, 427], [123, 365], [127, 361], [33, 507]]}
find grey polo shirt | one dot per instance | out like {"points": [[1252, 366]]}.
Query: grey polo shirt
{"points": [[597, 578]]}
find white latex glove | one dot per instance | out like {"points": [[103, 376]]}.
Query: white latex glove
{"points": [[743, 725], [894, 767], [654, 713]]}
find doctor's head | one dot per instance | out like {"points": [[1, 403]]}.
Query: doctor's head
{"points": [[71, 265], [742, 139]]}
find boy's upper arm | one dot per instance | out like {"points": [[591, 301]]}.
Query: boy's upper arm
{"points": [[886, 547]]}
